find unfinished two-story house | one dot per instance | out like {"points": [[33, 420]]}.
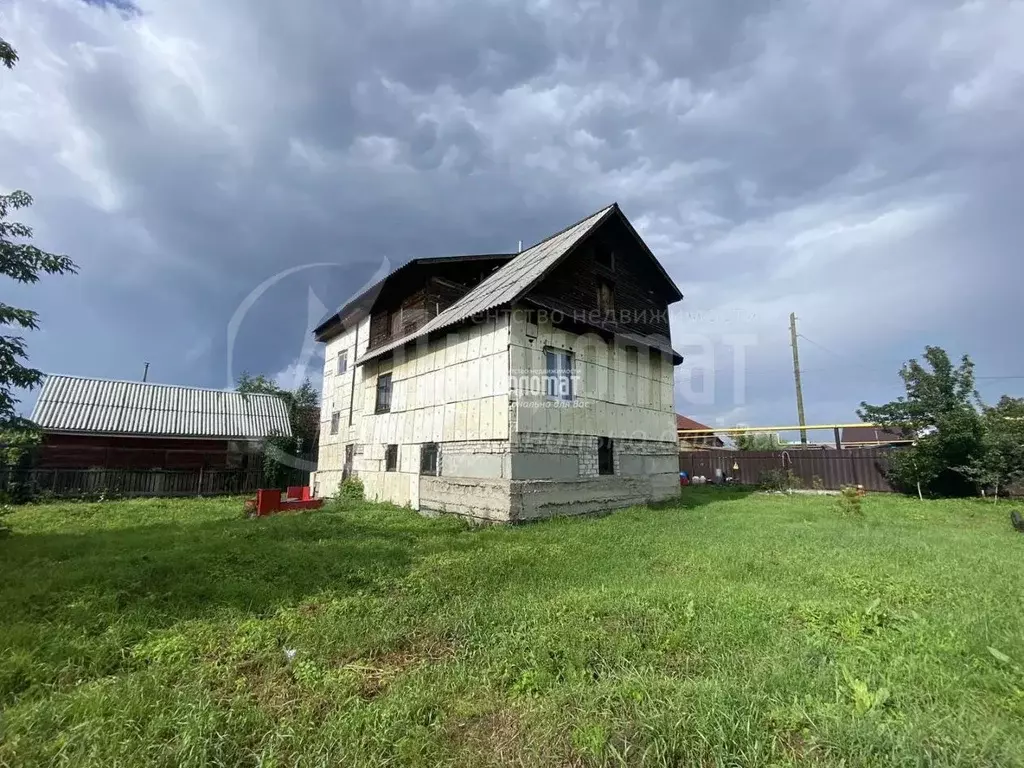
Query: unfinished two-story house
{"points": [[508, 387]]}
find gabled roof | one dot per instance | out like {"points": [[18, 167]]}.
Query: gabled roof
{"points": [[683, 422], [516, 278], [105, 406], [360, 306]]}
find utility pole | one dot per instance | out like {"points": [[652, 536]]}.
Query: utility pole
{"points": [[796, 378], [145, 372]]}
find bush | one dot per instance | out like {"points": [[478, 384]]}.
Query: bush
{"points": [[351, 489], [17, 493], [778, 480], [849, 501]]}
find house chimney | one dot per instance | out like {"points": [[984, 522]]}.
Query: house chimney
{"points": [[520, 247], [145, 371]]}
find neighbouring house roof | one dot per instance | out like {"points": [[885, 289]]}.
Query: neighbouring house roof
{"points": [[103, 406], [870, 434], [682, 422], [516, 278], [359, 307]]}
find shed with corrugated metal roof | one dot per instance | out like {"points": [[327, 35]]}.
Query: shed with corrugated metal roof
{"points": [[141, 425]]}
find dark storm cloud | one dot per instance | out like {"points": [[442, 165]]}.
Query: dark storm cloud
{"points": [[777, 156]]}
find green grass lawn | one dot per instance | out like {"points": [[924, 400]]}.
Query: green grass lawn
{"points": [[727, 629]]}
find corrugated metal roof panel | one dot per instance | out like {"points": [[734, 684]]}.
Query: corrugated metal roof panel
{"points": [[74, 404], [506, 284]]}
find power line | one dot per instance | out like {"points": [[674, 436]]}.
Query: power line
{"points": [[820, 346], [873, 367], [869, 368]]}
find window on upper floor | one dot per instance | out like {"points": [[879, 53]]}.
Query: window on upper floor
{"points": [[605, 299], [395, 320], [342, 361], [558, 381], [391, 458], [605, 456], [383, 403], [604, 256], [335, 422]]}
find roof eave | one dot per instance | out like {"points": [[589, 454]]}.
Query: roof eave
{"points": [[155, 435], [359, 306]]}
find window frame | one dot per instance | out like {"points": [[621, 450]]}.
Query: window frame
{"points": [[379, 405], [341, 366], [425, 450], [605, 456], [391, 457], [335, 422], [599, 250], [556, 375]]}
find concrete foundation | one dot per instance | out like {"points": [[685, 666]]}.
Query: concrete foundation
{"points": [[540, 499], [532, 477], [486, 501], [539, 476]]}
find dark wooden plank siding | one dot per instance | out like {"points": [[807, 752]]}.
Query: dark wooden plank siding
{"points": [[423, 294], [126, 452], [639, 292]]}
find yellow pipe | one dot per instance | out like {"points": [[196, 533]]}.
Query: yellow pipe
{"points": [[738, 430]]}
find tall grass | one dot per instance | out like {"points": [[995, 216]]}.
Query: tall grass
{"points": [[725, 629]]}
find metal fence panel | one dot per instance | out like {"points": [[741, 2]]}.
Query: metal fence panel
{"points": [[66, 483], [834, 469]]}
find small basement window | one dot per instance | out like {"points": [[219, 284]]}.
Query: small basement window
{"points": [[605, 456], [383, 404], [335, 422], [342, 362], [428, 459], [391, 458]]}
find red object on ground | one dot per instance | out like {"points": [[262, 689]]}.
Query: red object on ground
{"points": [[299, 492], [684, 481], [269, 501]]}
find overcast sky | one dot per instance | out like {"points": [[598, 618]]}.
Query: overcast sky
{"points": [[858, 163]]}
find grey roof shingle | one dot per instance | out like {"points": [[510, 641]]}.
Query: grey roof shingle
{"points": [[504, 285], [103, 406]]}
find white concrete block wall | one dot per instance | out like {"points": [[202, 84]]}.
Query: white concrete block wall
{"points": [[450, 389], [618, 394], [480, 390], [337, 395]]}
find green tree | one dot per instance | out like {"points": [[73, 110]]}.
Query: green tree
{"points": [[277, 470], [939, 412], [1000, 463], [25, 263], [303, 405], [281, 451], [8, 56], [758, 441]]}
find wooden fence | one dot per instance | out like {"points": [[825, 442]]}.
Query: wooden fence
{"points": [[827, 469], [66, 483]]}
